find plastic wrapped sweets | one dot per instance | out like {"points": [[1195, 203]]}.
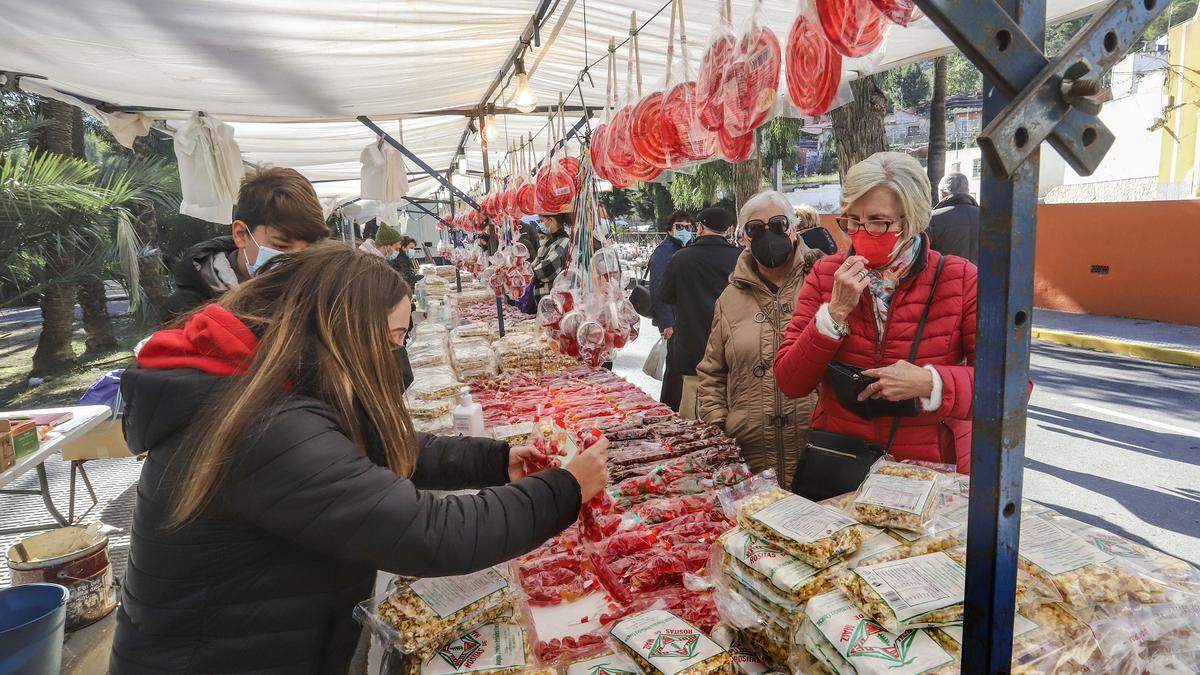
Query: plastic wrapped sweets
{"points": [[815, 533], [790, 577], [898, 496], [663, 644], [490, 649]]}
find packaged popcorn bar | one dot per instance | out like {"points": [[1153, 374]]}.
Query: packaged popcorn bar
{"points": [[1046, 639], [1081, 573], [610, 663], [898, 496], [423, 409], [817, 534], [514, 434], [843, 641], [663, 644], [909, 593], [473, 329], [414, 616], [491, 649], [941, 534], [789, 576]]}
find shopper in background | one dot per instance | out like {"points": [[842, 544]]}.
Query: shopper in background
{"points": [[862, 309], [954, 224], [387, 243], [737, 385], [806, 218], [406, 263], [551, 257], [277, 212], [282, 471], [680, 230], [694, 280]]}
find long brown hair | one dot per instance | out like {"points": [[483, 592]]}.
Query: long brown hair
{"points": [[321, 319]]}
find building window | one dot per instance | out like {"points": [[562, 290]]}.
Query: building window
{"points": [[914, 129], [956, 167], [976, 165]]}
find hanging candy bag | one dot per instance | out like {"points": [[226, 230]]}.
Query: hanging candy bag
{"points": [[814, 67], [854, 27], [751, 80]]}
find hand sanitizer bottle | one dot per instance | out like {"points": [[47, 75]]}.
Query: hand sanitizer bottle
{"points": [[468, 415]]}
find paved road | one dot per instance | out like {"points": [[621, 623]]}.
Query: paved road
{"points": [[1113, 441], [23, 315]]}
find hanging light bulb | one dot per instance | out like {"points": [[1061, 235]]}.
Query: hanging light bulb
{"points": [[489, 127], [524, 100]]}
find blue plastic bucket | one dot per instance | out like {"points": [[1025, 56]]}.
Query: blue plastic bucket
{"points": [[32, 617]]}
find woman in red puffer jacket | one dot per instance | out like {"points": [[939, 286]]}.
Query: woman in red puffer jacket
{"points": [[862, 309]]}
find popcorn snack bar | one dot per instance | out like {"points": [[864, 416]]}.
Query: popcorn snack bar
{"points": [[791, 577], [899, 496], [817, 534], [1081, 573], [663, 644], [909, 593], [416, 615], [1046, 639], [423, 409], [491, 649]]}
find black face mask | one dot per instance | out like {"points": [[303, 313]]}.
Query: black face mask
{"points": [[771, 249], [406, 372]]}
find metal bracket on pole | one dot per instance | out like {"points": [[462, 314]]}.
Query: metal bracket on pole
{"points": [[419, 162], [1028, 99]]}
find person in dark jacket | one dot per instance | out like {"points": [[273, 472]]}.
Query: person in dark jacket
{"points": [[277, 212], [551, 259], [529, 237], [282, 471], [406, 262], [680, 230], [695, 278], [954, 224]]}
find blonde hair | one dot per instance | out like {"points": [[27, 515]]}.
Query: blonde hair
{"points": [[900, 173], [806, 217]]}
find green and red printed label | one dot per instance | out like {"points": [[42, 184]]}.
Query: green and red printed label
{"points": [[866, 645], [1054, 549], [785, 572], [491, 647], [801, 520], [608, 664], [667, 642]]}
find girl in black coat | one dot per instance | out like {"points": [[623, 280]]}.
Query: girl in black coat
{"points": [[282, 472]]}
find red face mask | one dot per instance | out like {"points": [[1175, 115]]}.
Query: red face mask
{"points": [[877, 250]]}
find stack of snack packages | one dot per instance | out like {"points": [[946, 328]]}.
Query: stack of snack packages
{"points": [[432, 396], [873, 582], [471, 351], [527, 351]]}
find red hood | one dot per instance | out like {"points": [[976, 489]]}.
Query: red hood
{"points": [[213, 341]]}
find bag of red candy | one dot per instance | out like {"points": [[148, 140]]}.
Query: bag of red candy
{"points": [[814, 67], [854, 27], [751, 80]]}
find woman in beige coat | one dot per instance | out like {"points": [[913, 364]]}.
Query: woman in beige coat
{"points": [[737, 385]]}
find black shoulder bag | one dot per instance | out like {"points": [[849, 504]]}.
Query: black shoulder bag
{"points": [[834, 464], [639, 294]]}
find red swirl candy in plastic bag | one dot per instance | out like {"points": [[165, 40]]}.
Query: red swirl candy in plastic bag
{"points": [[648, 133], [555, 188], [854, 27], [735, 148], [526, 201], [897, 11], [681, 112], [620, 148], [603, 166], [814, 68], [751, 81], [709, 83]]}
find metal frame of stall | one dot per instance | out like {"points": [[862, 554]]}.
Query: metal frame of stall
{"points": [[1028, 99]]}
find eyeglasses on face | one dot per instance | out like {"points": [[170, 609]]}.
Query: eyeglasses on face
{"points": [[777, 224], [875, 228]]}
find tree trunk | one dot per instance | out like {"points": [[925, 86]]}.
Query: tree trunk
{"points": [[150, 265], [54, 353], [858, 125], [747, 179], [97, 323], [937, 126]]}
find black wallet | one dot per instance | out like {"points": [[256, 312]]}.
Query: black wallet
{"points": [[849, 381]]}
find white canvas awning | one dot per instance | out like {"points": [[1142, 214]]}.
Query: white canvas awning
{"points": [[292, 75]]}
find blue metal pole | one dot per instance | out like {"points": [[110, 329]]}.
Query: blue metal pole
{"points": [[1008, 216]]}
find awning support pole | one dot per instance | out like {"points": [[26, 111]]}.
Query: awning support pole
{"points": [[1027, 99], [419, 162], [421, 206]]}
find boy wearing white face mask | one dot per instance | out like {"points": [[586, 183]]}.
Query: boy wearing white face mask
{"points": [[277, 212]]}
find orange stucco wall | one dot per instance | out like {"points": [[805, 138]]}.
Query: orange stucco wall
{"points": [[1151, 249]]}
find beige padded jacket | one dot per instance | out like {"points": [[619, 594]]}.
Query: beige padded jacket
{"points": [[737, 384]]}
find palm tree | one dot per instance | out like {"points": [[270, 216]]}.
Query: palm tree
{"points": [[937, 126], [63, 220], [858, 126]]}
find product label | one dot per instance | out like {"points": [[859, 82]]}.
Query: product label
{"points": [[1054, 549], [876, 545], [1021, 626], [767, 592], [895, 492], [667, 642], [914, 586], [491, 647], [1131, 554], [866, 645], [803, 521], [609, 664], [786, 572], [447, 595]]}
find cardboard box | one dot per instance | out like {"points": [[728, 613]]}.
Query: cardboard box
{"points": [[23, 436]]}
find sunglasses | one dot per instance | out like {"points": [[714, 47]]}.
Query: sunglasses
{"points": [[777, 224]]}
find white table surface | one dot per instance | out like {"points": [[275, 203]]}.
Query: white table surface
{"points": [[86, 417]]}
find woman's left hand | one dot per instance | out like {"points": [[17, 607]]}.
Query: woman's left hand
{"points": [[898, 382], [526, 459]]}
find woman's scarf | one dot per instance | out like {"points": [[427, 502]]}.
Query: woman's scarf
{"points": [[883, 281]]}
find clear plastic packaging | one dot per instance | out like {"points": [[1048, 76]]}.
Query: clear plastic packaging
{"points": [[1081, 573], [854, 27], [1046, 639], [416, 615], [751, 83], [793, 578], [609, 663], [910, 593], [472, 329], [898, 496], [420, 408], [663, 644], [817, 534], [490, 649], [814, 68], [433, 385], [437, 426]]}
